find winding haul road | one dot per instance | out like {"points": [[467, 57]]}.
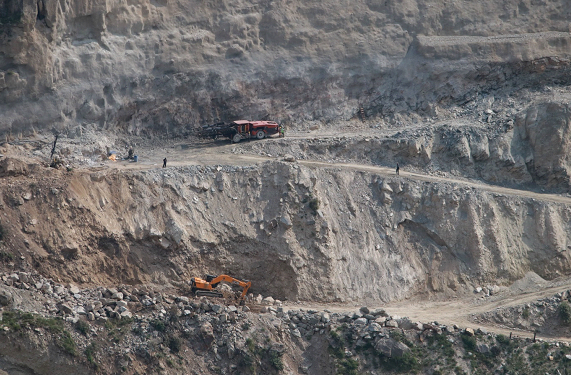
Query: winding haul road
{"points": [[460, 311]]}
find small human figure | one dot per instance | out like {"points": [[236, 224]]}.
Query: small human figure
{"points": [[131, 153], [398, 169], [282, 131], [164, 162]]}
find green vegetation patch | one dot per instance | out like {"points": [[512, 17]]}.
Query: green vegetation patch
{"points": [[82, 327], [565, 312], [67, 344], [6, 256]]}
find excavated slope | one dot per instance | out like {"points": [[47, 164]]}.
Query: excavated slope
{"points": [[296, 232]]}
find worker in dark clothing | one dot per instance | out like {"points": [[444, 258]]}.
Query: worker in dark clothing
{"points": [[131, 154], [164, 162], [398, 169]]}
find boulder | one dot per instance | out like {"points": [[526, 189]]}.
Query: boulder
{"points": [[390, 347], [117, 296], [269, 301], [207, 332], [6, 298], [392, 323], [483, 348], [182, 299], [12, 167], [65, 308], [73, 289], [375, 327], [405, 323]]}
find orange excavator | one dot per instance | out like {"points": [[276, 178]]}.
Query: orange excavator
{"points": [[201, 287]]}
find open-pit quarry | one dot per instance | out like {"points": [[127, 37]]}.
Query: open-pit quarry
{"points": [[458, 262]]}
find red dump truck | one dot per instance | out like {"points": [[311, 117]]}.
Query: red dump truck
{"points": [[241, 129]]}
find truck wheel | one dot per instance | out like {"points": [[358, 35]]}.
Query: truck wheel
{"points": [[260, 134], [236, 138]]}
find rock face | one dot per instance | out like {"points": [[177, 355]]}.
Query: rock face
{"points": [[543, 139], [159, 66], [437, 238]]}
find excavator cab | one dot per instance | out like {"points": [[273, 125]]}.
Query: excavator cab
{"points": [[209, 278]]}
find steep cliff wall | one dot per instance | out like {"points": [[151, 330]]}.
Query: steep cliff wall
{"points": [[167, 66], [296, 232]]}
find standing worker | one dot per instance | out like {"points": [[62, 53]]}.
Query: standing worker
{"points": [[398, 169], [164, 162], [282, 131]]}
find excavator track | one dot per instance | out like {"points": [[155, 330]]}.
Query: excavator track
{"points": [[207, 293]]}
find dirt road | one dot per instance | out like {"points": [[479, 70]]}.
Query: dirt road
{"points": [[220, 154], [461, 311]]}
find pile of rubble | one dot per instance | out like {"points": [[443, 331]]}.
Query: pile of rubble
{"points": [[101, 304], [142, 325]]}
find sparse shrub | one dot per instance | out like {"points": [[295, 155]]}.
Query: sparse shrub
{"points": [[138, 331], [27, 319], [90, 354], [174, 344], [82, 327], [314, 204], [54, 325], [399, 336], [469, 342], [11, 319], [495, 351], [525, 313], [407, 363], [334, 335], [67, 344], [348, 366], [250, 345], [2, 232], [565, 312], [276, 360], [246, 326], [108, 324], [158, 325], [503, 339], [6, 256]]}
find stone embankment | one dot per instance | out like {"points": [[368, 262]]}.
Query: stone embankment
{"points": [[138, 329], [547, 316]]}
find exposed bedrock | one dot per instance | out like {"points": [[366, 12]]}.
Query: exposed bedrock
{"points": [[296, 233], [161, 66]]}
